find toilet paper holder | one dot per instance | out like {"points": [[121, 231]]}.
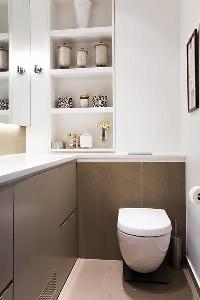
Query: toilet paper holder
{"points": [[194, 195]]}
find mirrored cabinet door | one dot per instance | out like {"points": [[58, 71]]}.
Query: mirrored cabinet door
{"points": [[15, 62], [4, 62]]}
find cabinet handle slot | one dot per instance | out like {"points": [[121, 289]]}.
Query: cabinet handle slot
{"points": [[69, 217]]}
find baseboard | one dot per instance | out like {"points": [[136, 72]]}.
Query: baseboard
{"points": [[193, 275]]}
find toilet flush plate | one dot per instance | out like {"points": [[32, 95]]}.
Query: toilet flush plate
{"points": [[160, 276]]}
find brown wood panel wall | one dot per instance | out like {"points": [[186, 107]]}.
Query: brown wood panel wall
{"points": [[103, 188]]}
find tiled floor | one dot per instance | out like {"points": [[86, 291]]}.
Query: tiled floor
{"points": [[102, 280]]}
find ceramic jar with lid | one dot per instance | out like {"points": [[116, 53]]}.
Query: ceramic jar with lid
{"points": [[82, 58], [101, 54], [3, 59], [64, 56], [84, 101], [86, 141]]}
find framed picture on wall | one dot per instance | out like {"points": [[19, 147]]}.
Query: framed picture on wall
{"points": [[193, 71]]}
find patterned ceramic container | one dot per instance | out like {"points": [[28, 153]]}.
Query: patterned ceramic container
{"points": [[4, 104], [100, 101], [64, 102]]}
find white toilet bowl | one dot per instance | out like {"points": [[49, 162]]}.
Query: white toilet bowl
{"points": [[144, 237]]}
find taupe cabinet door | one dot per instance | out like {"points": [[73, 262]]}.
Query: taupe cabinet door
{"points": [[34, 234], [6, 236], [42, 206], [66, 249], [66, 187]]}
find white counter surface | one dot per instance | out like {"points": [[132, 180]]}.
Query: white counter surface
{"points": [[16, 166], [13, 167]]}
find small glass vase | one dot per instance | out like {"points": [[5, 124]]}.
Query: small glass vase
{"points": [[104, 135]]}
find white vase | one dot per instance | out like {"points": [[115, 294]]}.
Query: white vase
{"points": [[82, 11]]}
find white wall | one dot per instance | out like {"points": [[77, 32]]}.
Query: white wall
{"points": [[190, 18], [147, 75]]}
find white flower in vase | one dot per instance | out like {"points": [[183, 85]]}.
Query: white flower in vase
{"points": [[104, 126]]}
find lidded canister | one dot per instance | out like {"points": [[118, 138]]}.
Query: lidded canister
{"points": [[101, 54], [64, 56], [3, 59], [82, 58]]}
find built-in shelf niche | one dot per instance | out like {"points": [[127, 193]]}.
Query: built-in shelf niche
{"points": [[75, 87], [63, 14], [62, 125], [75, 81]]}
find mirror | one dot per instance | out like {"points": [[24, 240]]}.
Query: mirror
{"points": [[15, 62]]}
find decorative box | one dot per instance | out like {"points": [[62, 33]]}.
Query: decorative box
{"points": [[64, 102], [100, 101], [4, 104]]}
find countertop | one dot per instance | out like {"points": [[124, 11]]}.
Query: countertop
{"points": [[14, 167]]}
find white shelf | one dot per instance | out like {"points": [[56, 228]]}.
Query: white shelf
{"points": [[93, 150], [4, 76], [82, 34], [82, 72], [4, 38], [4, 112], [89, 110]]}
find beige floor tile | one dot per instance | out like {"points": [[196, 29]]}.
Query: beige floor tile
{"points": [[102, 280]]}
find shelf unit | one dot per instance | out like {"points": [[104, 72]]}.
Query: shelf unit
{"points": [[83, 34], [75, 81], [4, 112], [82, 73], [4, 116], [89, 110], [93, 150], [4, 38], [4, 76]]}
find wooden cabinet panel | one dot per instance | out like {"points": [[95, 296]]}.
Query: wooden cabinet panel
{"points": [[6, 236], [8, 295], [66, 191]]}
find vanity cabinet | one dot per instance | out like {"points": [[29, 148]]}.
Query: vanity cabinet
{"points": [[6, 238], [44, 232]]}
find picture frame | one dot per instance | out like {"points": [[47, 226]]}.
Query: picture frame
{"points": [[193, 72]]}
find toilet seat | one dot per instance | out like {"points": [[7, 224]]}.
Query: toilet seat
{"points": [[144, 222]]}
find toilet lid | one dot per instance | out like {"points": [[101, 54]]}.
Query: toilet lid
{"points": [[144, 222]]}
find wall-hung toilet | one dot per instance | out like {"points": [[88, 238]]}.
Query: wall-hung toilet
{"points": [[144, 237]]}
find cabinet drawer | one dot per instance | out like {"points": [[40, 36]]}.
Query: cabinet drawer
{"points": [[66, 191], [8, 295], [6, 236], [66, 250]]}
